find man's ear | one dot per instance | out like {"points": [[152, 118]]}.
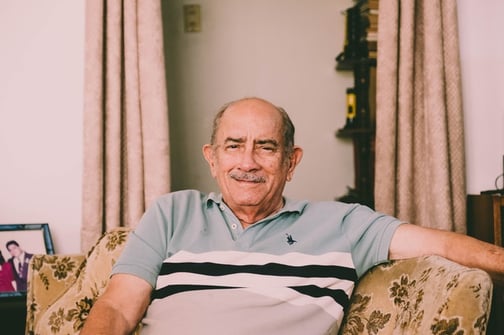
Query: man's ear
{"points": [[294, 160], [208, 153]]}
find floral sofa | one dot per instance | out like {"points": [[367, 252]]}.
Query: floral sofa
{"points": [[425, 295]]}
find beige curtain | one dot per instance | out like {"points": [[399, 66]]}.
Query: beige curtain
{"points": [[420, 174], [126, 140]]}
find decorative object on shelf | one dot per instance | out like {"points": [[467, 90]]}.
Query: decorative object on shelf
{"points": [[18, 243], [351, 108]]}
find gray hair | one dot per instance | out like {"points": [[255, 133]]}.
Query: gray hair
{"points": [[288, 129]]}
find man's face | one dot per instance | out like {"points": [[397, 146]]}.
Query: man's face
{"points": [[248, 159], [14, 250]]}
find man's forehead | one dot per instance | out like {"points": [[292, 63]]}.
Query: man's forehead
{"points": [[250, 120], [235, 118], [245, 132]]}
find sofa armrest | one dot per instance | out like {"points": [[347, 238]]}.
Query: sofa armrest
{"points": [[67, 313], [424, 295], [49, 277]]}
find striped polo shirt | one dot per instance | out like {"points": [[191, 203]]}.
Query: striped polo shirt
{"points": [[290, 273]]}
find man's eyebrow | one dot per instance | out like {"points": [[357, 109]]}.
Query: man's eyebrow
{"points": [[267, 141], [256, 142], [236, 140]]}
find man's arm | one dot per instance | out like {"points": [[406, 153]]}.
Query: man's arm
{"points": [[120, 307], [412, 241]]}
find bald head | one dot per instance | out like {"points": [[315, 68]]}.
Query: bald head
{"points": [[287, 125]]}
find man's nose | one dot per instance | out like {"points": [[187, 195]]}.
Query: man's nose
{"points": [[248, 160]]}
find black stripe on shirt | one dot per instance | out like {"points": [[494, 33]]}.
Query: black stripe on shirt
{"points": [[314, 291], [339, 296], [271, 269], [174, 289]]}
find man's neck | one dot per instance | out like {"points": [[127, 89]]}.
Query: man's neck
{"points": [[249, 215]]}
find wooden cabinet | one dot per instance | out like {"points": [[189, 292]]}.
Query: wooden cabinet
{"points": [[485, 217], [13, 315], [484, 221]]}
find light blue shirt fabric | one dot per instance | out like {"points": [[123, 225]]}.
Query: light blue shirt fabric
{"points": [[293, 271], [192, 221]]}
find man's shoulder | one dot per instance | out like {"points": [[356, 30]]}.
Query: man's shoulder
{"points": [[330, 211], [183, 198], [329, 205], [183, 194]]}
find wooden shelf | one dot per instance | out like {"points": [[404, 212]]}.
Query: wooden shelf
{"points": [[360, 115], [349, 64], [352, 132]]}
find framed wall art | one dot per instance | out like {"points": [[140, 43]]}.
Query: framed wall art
{"points": [[18, 243]]}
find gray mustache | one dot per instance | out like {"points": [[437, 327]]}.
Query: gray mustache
{"points": [[244, 176]]}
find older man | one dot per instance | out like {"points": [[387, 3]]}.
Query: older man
{"points": [[250, 261]]}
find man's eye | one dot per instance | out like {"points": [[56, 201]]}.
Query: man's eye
{"points": [[232, 146], [268, 148]]}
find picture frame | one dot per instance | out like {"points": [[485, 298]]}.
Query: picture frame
{"points": [[18, 242]]}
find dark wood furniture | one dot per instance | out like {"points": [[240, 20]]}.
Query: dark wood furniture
{"points": [[13, 315], [359, 56], [485, 218]]}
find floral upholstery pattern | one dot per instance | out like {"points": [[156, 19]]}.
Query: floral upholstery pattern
{"points": [[424, 295], [50, 277], [63, 288]]}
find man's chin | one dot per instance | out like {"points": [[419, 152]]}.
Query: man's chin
{"points": [[245, 200]]}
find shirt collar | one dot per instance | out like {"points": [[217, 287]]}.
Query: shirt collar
{"points": [[289, 207]]}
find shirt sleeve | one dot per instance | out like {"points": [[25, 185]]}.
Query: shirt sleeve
{"points": [[370, 234], [145, 249]]}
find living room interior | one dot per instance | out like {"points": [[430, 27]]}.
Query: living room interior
{"points": [[42, 97], [282, 50]]}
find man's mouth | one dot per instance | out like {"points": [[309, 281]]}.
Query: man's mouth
{"points": [[247, 177]]}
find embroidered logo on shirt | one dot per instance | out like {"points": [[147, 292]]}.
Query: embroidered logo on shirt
{"points": [[290, 240]]}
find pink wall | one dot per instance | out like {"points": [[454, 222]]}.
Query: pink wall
{"points": [[41, 85]]}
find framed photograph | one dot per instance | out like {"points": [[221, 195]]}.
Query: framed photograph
{"points": [[18, 243]]}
